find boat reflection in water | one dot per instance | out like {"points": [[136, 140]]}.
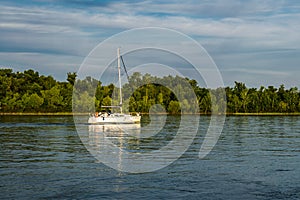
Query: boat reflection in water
{"points": [[119, 129], [137, 149], [110, 144]]}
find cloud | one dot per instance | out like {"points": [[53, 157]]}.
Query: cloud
{"points": [[259, 72], [238, 34], [257, 78], [270, 31], [46, 64], [192, 8]]}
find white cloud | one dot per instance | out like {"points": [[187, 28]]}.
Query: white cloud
{"points": [[194, 8], [258, 72], [47, 64], [227, 29]]}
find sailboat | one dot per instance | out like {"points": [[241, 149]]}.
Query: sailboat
{"points": [[115, 118]]}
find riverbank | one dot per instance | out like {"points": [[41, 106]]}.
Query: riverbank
{"points": [[45, 114], [83, 114], [263, 114]]}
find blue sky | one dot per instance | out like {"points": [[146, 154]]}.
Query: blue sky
{"points": [[256, 42]]}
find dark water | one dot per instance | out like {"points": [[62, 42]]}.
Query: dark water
{"points": [[255, 158]]}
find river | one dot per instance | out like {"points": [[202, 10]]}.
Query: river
{"points": [[256, 157]]}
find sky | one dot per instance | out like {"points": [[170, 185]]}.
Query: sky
{"points": [[255, 42]]}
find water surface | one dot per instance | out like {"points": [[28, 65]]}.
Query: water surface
{"points": [[255, 158]]}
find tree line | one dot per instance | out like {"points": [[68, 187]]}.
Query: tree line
{"points": [[30, 92]]}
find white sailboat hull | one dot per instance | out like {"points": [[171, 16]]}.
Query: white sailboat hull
{"points": [[115, 119]]}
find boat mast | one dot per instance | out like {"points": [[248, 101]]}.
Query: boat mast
{"points": [[120, 84]]}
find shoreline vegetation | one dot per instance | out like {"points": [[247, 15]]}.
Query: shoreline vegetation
{"points": [[203, 114], [28, 93]]}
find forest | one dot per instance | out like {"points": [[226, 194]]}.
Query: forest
{"points": [[30, 92]]}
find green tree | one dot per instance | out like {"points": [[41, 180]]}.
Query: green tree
{"points": [[53, 100], [71, 77], [83, 102], [32, 102], [174, 107]]}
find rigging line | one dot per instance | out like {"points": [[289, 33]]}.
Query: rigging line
{"points": [[124, 67]]}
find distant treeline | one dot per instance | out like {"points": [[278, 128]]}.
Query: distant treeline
{"points": [[30, 92]]}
